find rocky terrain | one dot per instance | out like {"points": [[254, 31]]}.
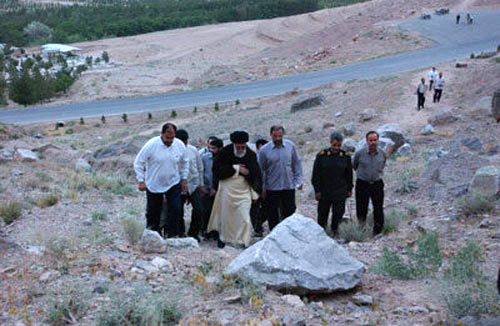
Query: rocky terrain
{"points": [[72, 254]]}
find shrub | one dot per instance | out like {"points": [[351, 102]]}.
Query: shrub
{"points": [[69, 131], [392, 220], [353, 231], [476, 203], [47, 200], [132, 229], [105, 56], [11, 211], [150, 116], [124, 118], [237, 102], [216, 107], [407, 183], [497, 59], [99, 215], [103, 120], [173, 114], [195, 110], [412, 210], [420, 263], [82, 122], [37, 31]]}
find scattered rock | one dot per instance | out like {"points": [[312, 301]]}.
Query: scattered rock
{"points": [[307, 102], [328, 125], [404, 151], [25, 155], [366, 115], [362, 299], [293, 319], [293, 300], [161, 263], [349, 129], [349, 145], [449, 176], [483, 105], [427, 130], [484, 224], [179, 81], [486, 181], [495, 105], [472, 143], [394, 132], [49, 276], [233, 299], [146, 266], [152, 242], [116, 149], [82, 165], [460, 64], [442, 117], [300, 257], [338, 114], [179, 243]]}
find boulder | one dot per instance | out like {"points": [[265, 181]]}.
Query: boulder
{"points": [[483, 105], [427, 130], [349, 145], [307, 102], [404, 151], [83, 165], [146, 266], [486, 181], [448, 177], [366, 115], [152, 242], [471, 143], [460, 64], [385, 144], [495, 105], [116, 149], [298, 256], [442, 117], [25, 155], [6, 155], [394, 132], [349, 129], [179, 243]]}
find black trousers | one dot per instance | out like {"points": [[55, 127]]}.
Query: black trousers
{"points": [[258, 214], [276, 199], [154, 205], [420, 100], [196, 213], [374, 191], [207, 204], [337, 206], [437, 95]]}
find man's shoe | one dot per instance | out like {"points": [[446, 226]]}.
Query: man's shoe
{"points": [[258, 234], [220, 244]]}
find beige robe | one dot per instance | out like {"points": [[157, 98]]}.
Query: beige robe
{"points": [[231, 211]]}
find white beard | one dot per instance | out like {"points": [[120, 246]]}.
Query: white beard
{"points": [[239, 155]]}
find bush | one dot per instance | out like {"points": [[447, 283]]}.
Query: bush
{"points": [[475, 204], [173, 114], [82, 122], [47, 200], [421, 263], [11, 211], [69, 131], [105, 56], [37, 31], [216, 107], [99, 215], [124, 117], [103, 120], [353, 231], [412, 210], [392, 220], [132, 229], [150, 116]]}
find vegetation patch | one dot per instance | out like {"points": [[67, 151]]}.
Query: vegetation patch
{"points": [[132, 229], [47, 200], [353, 231], [392, 220], [11, 211], [476, 203]]}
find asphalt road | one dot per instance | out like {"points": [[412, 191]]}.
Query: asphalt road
{"points": [[452, 42]]}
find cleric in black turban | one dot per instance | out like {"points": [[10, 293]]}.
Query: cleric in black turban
{"points": [[239, 137]]}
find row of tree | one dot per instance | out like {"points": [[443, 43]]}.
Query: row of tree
{"points": [[106, 18]]}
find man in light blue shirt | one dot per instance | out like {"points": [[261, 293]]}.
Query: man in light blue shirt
{"points": [[281, 175]]}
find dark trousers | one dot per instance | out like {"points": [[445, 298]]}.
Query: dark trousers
{"points": [[437, 95], [276, 199], [430, 84], [420, 100], [196, 213], [374, 191], [154, 204], [337, 206], [207, 204], [258, 215]]}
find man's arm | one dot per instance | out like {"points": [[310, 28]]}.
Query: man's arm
{"points": [[140, 166], [316, 178], [355, 163], [297, 168], [348, 175], [184, 167], [199, 165], [262, 160]]}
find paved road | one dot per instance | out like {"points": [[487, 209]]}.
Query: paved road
{"points": [[452, 42]]}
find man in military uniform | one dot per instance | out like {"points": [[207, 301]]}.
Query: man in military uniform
{"points": [[332, 182]]}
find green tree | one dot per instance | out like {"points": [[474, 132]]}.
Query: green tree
{"points": [[36, 32]]}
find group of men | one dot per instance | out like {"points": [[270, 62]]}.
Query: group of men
{"points": [[436, 84], [234, 190]]}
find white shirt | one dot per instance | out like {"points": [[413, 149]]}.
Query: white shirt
{"points": [[195, 174], [433, 74], [439, 83], [161, 167]]}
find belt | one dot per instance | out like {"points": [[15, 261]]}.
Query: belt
{"points": [[370, 182]]}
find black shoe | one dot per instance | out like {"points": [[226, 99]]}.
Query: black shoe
{"points": [[258, 234], [220, 244]]}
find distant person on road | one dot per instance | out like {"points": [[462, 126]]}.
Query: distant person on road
{"points": [[332, 182], [458, 18], [438, 88], [281, 175], [161, 169], [421, 88], [469, 18], [432, 77]]}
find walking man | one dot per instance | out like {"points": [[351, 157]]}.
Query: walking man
{"points": [[332, 182], [195, 187], [369, 163], [208, 192], [258, 210], [281, 173], [161, 169], [438, 88], [458, 18], [432, 77], [421, 94]]}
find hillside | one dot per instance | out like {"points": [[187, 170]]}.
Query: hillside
{"points": [[67, 258]]}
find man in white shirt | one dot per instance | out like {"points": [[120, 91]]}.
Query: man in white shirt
{"points": [[432, 77], [161, 169], [438, 87], [195, 186]]}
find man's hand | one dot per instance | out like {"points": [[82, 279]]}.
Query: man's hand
{"points": [[141, 186], [263, 194], [299, 187], [318, 196], [212, 192], [244, 170], [184, 185]]}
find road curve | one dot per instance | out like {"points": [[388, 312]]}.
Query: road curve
{"points": [[452, 42]]}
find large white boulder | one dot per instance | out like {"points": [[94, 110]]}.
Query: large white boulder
{"points": [[486, 181]]}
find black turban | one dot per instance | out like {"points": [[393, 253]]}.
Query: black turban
{"points": [[239, 137]]}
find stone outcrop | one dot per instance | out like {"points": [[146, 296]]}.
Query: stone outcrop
{"points": [[486, 181], [25, 155], [442, 117], [394, 132], [307, 102], [298, 256]]}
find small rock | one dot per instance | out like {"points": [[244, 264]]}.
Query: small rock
{"points": [[328, 125], [48, 276], [233, 299], [362, 299], [367, 115], [100, 287], [17, 172], [162, 263], [317, 305], [338, 114], [486, 181], [83, 165], [442, 117], [307, 102], [461, 64], [404, 151], [266, 322], [427, 130], [293, 300], [180, 243], [6, 155], [152, 242], [25, 155], [146, 266], [418, 310], [292, 319], [484, 224], [349, 129], [308, 129], [116, 272]]}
